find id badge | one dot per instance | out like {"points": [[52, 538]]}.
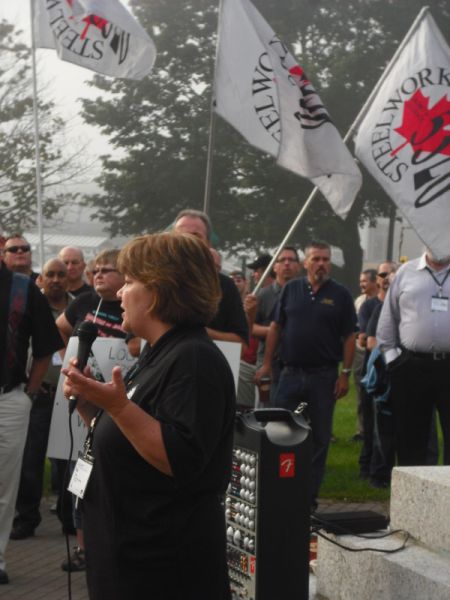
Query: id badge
{"points": [[439, 304], [80, 477]]}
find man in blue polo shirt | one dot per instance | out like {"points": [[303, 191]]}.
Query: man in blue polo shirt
{"points": [[315, 322]]}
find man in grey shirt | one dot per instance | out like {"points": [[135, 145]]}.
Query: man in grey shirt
{"points": [[414, 334]]}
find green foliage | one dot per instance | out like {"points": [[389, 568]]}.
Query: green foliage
{"points": [[161, 123]]}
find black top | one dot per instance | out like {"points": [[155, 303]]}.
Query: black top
{"points": [[108, 319], [146, 531], [365, 312], [30, 318], [265, 313], [82, 290], [373, 321], [230, 316], [313, 326]]}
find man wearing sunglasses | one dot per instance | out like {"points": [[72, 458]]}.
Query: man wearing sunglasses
{"points": [[26, 318], [371, 465], [17, 256]]}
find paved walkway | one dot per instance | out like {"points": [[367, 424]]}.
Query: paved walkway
{"points": [[33, 565]]}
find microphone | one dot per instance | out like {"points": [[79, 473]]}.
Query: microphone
{"points": [[87, 333]]}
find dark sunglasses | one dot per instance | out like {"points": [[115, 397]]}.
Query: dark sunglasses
{"points": [[103, 271], [382, 275], [15, 249]]}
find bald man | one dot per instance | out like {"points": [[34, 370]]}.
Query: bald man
{"points": [[74, 260]]}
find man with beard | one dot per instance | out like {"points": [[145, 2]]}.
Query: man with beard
{"points": [[53, 283], [315, 321], [414, 334]]}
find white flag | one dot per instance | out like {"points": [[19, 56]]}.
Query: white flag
{"points": [[266, 96], [100, 35], [404, 139]]}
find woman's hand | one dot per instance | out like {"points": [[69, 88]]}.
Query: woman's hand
{"points": [[111, 396]]}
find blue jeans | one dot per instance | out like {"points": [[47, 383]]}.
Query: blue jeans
{"points": [[316, 387]]}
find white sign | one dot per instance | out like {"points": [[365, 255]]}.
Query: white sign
{"points": [[108, 352]]}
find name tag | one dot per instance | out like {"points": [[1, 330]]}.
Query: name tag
{"points": [[80, 477], [439, 304]]}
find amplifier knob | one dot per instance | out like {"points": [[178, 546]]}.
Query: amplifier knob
{"points": [[251, 513], [251, 524], [252, 472], [230, 532], [251, 497], [253, 460], [237, 537], [251, 545]]}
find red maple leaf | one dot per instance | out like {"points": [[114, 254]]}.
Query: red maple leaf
{"points": [[426, 129], [98, 22]]}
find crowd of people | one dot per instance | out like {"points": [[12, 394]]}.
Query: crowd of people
{"points": [[160, 439]]}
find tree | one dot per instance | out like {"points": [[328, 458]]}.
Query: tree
{"points": [[17, 142], [161, 123]]}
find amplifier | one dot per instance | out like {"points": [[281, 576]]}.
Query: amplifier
{"points": [[268, 506]]}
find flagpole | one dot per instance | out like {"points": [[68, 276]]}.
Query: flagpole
{"points": [[351, 131], [209, 157], [36, 142], [212, 128]]}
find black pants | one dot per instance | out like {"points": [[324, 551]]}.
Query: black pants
{"points": [[417, 385], [33, 463]]}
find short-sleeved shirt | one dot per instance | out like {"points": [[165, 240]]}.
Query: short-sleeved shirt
{"points": [[82, 290], [230, 315], [134, 514], [314, 326], [267, 302], [365, 312], [107, 314], [371, 330], [33, 320]]}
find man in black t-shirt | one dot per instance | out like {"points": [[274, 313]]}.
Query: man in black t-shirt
{"points": [[100, 306], [230, 323], [74, 260]]}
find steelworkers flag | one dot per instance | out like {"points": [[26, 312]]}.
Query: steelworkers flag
{"points": [[100, 35], [267, 97], [404, 139]]}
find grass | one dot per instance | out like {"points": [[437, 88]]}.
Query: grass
{"points": [[341, 478]]}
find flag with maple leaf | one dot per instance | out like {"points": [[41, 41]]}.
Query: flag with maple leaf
{"points": [[100, 35], [404, 138], [261, 90]]}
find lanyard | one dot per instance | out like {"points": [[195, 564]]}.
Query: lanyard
{"points": [[87, 447], [440, 284]]}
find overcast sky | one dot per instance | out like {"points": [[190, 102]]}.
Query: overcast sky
{"points": [[62, 81]]}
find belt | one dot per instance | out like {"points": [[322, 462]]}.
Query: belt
{"points": [[5, 389], [293, 369], [430, 355]]}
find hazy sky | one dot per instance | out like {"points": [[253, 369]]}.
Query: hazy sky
{"points": [[63, 82]]}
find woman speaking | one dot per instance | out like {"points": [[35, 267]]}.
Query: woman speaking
{"points": [[159, 443]]}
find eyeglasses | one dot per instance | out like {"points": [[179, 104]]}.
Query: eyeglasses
{"points": [[287, 259], [382, 275], [103, 271], [15, 249]]}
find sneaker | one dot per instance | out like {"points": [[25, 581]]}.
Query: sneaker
{"points": [[20, 531], [3, 577], [77, 561]]}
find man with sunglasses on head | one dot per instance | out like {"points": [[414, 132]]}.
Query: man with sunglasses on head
{"points": [[17, 256]]}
